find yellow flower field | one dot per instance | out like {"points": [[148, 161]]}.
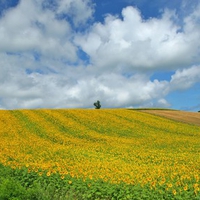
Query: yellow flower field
{"points": [[115, 145]]}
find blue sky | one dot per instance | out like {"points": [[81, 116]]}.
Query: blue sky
{"points": [[125, 53]]}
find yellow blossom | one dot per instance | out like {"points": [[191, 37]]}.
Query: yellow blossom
{"points": [[115, 145]]}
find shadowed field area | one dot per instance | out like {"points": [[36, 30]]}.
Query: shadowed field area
{"points": [[182, 116]]}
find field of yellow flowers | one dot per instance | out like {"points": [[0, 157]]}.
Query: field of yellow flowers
{"points": [[116, 146]]}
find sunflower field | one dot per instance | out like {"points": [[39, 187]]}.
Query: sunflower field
{"points": [[97, 154]]}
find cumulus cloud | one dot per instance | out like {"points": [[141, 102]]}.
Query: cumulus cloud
{"points": [[133, 43], [26, 30], [185, 78], [42, 56], [79, 10]]}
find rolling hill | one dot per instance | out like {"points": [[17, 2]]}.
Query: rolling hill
{"points": [[182, 116], [138, 148]]}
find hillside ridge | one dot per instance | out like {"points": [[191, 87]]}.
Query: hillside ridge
{"points": [[177, 115]]}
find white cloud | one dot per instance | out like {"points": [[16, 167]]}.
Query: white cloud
{"points": [[123, 53], [134, 43], [163, 103], [79, 10], [186, 78], [24, 29]]}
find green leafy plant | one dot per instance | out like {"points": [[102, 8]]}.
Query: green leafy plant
{"points": [[21, 184]]}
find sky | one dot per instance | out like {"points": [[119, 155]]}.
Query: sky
{"points": [[124, 53]]}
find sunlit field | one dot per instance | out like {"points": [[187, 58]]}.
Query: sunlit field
{"points": [[138, 154]]}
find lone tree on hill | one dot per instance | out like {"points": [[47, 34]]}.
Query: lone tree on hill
{"points": [[97, 104]]}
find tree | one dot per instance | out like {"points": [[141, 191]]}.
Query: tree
{"points": [[97, 104]]}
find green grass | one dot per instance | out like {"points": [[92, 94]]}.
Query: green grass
{"points": [[19, 184]]}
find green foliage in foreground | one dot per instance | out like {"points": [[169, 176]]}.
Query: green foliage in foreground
{"points": [[19, 184]]}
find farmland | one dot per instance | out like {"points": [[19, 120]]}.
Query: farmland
{"points": [[181, 116], [111, 153]]}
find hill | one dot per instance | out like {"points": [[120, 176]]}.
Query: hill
{"points": [[95, 151], [181, 116]]}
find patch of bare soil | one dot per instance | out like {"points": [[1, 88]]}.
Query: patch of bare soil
{"points": [[182, 116]]}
